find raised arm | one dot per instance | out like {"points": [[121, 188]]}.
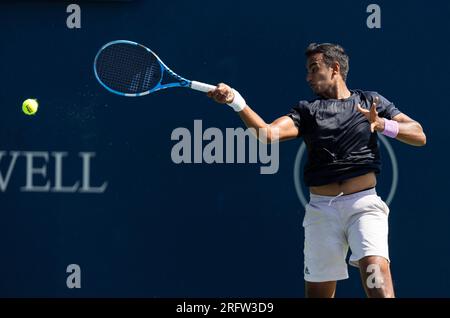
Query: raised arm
{"points": [[409, 130], [281, 129]]}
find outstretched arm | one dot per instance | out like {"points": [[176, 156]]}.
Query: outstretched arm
{"points": [[281, 129], [409, 130]]}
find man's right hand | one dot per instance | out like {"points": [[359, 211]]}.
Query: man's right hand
{"points": [[223, 94]]}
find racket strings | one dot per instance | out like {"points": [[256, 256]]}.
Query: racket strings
{"points": [[129, 69]]}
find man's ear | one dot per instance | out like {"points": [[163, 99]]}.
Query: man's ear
{"points": [[336, 68]]}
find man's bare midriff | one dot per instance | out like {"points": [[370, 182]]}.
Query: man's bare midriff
{"points": [[348, 186]]}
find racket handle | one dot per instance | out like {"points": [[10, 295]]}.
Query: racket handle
{"points": [[202, 87]]}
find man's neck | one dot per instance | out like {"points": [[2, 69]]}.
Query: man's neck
{"points": [[340, 91]]}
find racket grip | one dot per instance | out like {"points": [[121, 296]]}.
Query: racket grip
{"points": [[202, 87]]}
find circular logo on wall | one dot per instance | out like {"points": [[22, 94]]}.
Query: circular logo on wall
{"points": [[386, 144]]}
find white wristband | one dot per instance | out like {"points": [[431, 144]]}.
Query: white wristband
{"points": [[238, 102]]}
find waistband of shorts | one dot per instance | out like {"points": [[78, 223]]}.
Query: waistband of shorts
{"points": [[318, 198]]}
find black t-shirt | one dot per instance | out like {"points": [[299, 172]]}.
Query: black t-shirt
{"points": [[338, 138]]}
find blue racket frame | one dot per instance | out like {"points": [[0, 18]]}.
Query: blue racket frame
{"points": [[182, 82]]}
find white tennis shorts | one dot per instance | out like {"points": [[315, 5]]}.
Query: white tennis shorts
{"points": [[333, 224]]}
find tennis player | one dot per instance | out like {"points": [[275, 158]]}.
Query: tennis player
{"points": [[340, 129]]}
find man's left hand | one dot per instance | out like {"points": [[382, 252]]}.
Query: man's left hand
{"points": [[376, 122]]}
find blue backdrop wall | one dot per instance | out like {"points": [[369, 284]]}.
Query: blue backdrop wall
{"points": [[160, 229]]}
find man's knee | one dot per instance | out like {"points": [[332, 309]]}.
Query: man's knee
{"points": [[320, 290]]}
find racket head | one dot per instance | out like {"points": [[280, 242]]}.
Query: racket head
{"points": [[130, 69]]}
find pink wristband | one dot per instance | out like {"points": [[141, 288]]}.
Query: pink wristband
{"points": [[390, 128]]}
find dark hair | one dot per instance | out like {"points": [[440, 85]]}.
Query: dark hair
{"points": [[331, 53]]}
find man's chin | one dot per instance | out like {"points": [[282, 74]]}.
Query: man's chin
{"points": [[315, 90]]}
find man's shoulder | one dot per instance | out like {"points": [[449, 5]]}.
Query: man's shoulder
{"points": [[309, 103], [369, 95], [368, 98], [363, 94]]}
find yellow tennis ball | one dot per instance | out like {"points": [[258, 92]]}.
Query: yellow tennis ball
{"points": [[30, 106]]}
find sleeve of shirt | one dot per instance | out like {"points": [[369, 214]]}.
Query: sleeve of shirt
{"points": [[296, 115], [386, 109]]}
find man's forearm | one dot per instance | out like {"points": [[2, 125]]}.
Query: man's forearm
{"points": [[409, 132], [253, 120]]}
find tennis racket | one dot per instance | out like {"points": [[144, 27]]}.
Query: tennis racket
{"points": [[130, 69]]}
